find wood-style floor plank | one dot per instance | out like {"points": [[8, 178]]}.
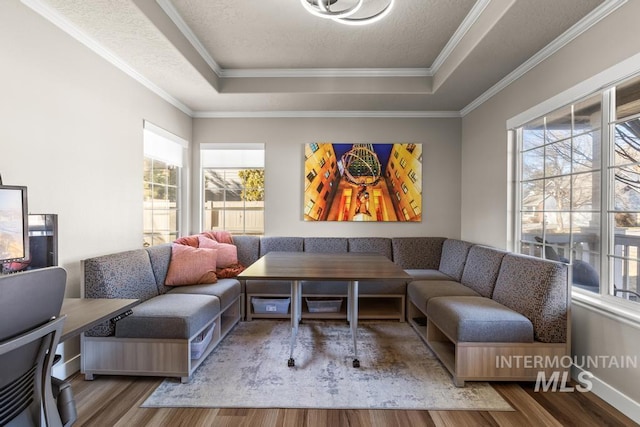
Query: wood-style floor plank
{"points": [[115, 401]]}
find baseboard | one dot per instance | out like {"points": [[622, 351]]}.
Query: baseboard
{"points": [[615, 398], [64, 370]]}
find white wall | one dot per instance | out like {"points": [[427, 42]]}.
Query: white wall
{"points": [[485, 192], [284, 140], [71, 130]]}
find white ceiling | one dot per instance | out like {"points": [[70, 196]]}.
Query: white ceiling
{"points": [[216, 58]]}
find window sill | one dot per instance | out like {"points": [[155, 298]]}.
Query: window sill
{"points": [[607, 306]]}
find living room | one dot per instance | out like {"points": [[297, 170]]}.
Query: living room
{"points": [[72, 131]]}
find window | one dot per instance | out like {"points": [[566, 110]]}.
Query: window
{"points": [[624, 209], [162, 178], [233, 188], [414, 205], [579, 190]]}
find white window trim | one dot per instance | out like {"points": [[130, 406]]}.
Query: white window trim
{"points": [[615, 308], [185, 193], [199, 176]]}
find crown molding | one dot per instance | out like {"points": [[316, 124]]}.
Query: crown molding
{"points": [[174, 15], [65, 25], [464, 27], [599, 13], [326, 72], [326, 114]]}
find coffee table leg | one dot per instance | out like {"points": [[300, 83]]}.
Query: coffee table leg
{"points": [[353, 309], [296, 312], [349, 298]]}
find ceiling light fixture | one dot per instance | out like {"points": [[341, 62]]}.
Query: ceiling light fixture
{"points": [[324, 9]]}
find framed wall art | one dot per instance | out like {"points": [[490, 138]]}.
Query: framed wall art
{"points": [[362, 182]]}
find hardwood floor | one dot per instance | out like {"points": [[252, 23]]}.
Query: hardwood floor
{"points": [[115, 401]]}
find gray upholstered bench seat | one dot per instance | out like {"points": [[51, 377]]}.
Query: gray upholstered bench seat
{"points": [[421, 291], [478, 319], [227, 290], [169, 316]]}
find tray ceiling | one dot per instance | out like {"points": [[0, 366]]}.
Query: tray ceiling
{"points": [[235, 57]]}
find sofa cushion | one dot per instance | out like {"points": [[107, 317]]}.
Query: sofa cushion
{"points": [[454, 256], [226, 290], [427, 274], [325, 244], [482, 268], [121, 275], [478, 319], [420, 292], [169, 316], [417, 252], [280, 244], [191, 266], [537, 289], [377, 245], [160, 256], [248, 249]]}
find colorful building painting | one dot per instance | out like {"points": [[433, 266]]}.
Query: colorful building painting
{"points": [[362, 182]]}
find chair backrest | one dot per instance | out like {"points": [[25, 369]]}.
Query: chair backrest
{"points": [[30, 328]]}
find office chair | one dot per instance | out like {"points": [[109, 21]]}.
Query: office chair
{"points": [[30, 329]]}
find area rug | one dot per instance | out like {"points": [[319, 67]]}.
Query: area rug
{"points": [[249, 370]]}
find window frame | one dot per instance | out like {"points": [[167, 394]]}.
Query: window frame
{"points": [[604, 83], [180, 148], [248, 164]]}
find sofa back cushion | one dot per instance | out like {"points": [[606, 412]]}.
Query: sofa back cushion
{"points": [[325, 244], [536, 288], [454, 256], [413, 253], [248, 249], [481, 269], [160, 256], [121, 275], [376, 245], [280, 244]]}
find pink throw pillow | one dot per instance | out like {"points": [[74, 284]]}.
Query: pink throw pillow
{"points": [[227, 253], [219, 236], [191, 266]]}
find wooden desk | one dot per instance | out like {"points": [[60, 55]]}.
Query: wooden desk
{"points": [[85, 313], [301, 266]]}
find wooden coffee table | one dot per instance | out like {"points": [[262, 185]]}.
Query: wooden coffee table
{"points": [[302, 266]]}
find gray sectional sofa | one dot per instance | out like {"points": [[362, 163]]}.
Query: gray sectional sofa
{"points": [[484, 312]]}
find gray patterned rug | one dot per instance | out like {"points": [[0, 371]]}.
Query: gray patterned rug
{"points": [[249, 370]]}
